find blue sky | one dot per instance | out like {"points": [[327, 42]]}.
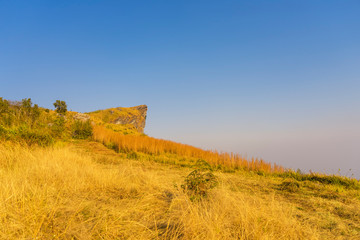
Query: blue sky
{"points": [[274, 79]]}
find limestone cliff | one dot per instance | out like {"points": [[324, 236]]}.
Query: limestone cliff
{"points": [[134, 116]]}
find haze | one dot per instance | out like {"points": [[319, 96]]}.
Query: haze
{"points": [[278, 80]]}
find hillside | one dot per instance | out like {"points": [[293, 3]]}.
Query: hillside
{"points": [[95, 179]]}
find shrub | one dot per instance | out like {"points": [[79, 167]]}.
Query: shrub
{"points": [[82, 130], [199, 182], [26, 135], [289, 185], [35, 138], [203, 165], [132, 155], [58, 127]]}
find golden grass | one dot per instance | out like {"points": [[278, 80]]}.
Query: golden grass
{"points": [[88, 192], [154, 146], [58, 193], [123, 128]]}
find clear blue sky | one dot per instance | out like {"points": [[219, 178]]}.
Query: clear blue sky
{"points": [[274, 79]]}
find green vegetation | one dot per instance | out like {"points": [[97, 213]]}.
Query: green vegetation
{"points": [[82, 130], [26, 135], [28, 123], [58, 128], [347, 182], [24, 122], [60, 107]]}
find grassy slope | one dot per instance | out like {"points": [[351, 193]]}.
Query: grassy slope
{"points": [[82, 190]]}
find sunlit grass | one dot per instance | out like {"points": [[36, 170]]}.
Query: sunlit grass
{"points": [[86, 191], [159, 147], [58, 193]]}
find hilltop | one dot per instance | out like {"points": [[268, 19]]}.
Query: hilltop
{"points": [[67, 175], [132, 117]]}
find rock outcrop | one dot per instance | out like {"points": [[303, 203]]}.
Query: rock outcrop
{"points": [[81, 117], [137, 120], [134, 116]]}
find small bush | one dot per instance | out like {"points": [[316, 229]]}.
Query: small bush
{"points": [[200, 181], [289, 185], [132, 155], [32, 137], [113, 147], [58, 127], [82, 130], [202, 165], [35, 138], [26, 135]]}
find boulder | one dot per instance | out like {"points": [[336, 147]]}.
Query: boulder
{"points": [[82, 117]]}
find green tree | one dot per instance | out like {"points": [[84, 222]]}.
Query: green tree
{"points": [[60, 107], [26, 105], [35, 113]]}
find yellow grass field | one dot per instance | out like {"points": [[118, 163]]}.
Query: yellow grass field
{"points": [[82, 190]]}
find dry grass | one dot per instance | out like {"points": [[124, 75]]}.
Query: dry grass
{"points": [[66, 192], [154, 146]]}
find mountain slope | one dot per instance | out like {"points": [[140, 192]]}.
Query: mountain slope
{"points": [[82, 190]]}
